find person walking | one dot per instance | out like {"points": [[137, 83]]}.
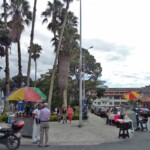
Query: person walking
{"points": [[70, 113], [44, 127], [36, 124], [64, 114], [59, 114]]}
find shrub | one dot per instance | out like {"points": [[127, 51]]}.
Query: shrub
{"points": [[3, 117], [53, 117]]}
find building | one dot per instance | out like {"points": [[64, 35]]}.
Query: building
{"points": [[113, 97], [146, 90]]}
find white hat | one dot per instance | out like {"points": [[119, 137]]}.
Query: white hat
{"points": [[45, 104]]}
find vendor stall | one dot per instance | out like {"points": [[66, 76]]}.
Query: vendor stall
{"points": [[26, 98]]}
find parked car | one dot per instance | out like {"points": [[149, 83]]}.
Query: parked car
{"points": [[96, 110], [103, 111], [144, 111]]}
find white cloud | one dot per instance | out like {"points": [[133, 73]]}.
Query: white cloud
{"points": [[118, 30]]}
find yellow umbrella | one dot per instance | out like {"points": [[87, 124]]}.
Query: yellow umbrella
{"points": [[132, 95]]}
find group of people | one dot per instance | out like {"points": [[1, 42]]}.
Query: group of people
{"points": [[41, 116], [63, 112]]}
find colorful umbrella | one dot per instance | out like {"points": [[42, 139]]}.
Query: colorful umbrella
{"points": [[131, 95], [31, 94]]}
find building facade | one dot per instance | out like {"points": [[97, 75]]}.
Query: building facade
{"points": [[113, 97]]}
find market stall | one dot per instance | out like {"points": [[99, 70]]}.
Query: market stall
{"points": [[24, 100]]}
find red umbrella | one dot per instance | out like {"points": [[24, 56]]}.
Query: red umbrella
{"points": [[131, 95]]}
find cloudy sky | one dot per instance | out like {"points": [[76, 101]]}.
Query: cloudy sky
{"points": [[118, 30]]}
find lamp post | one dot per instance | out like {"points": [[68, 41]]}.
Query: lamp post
{"points": [[84, 72], [80, 70]]}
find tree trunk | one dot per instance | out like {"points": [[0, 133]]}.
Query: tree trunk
{"points": [[7, 87], [63, 69], [31, 43], [20, 66], [63, 64], [56, 58], [65, 97], [35, 72], [7, 76]]}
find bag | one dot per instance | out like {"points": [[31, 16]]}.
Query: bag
{"points": [[37, 120]]}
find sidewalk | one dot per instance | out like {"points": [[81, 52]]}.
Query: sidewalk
{"points": [[94, 131]]}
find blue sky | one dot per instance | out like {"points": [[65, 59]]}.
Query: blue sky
{"points": [[118, 30]]}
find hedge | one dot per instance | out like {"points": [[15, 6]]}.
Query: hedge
{"points": [[3, 117], [53, 117]]}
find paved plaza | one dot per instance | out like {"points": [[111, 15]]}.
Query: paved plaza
{"points": [[94, 131]]}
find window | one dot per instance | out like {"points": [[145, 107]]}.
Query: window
{"points": [[99, 103]]}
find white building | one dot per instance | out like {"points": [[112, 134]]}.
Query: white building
{"points": [[107, 102], [113, 97]]}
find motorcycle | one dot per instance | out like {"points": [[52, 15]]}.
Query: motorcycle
{"points": [[9, 136]]}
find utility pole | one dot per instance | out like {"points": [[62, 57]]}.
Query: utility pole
{"points": [[80, 70]]}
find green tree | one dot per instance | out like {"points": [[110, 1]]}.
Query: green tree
{"points": [[31, 44], [57, 52], [100, 92], [35, 55], [24, 80], [53, 11], [5, 42], [20, 15], [69, 44], [92, 71], [43, 83]]}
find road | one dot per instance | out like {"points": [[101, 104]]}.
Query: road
{"points": [[141, 141]]}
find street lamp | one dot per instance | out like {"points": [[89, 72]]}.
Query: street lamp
{"points": [[84, 71], [80, 70]]}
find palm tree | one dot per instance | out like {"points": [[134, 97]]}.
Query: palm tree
{"points": [[53, 10], [5, 42], [35, 55], [69, 44], [57, 51], [31, 43], [19, 11]]}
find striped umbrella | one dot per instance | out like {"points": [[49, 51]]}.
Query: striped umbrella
{"points": [[31, 94], [131, 95]]}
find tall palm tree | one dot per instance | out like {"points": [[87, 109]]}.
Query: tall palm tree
{"points": [[7, 76], [57, 51], [35, 55], [20, 13], [31, 42], [5, 42], [53, 10], [69, 43]]}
